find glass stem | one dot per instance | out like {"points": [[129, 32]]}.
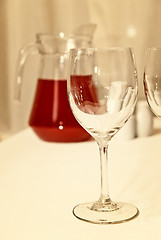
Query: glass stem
{"points": [[103, 150], [104, 203]]}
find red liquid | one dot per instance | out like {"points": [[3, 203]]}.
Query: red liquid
{"points": [[84, 93], [51, 117]]}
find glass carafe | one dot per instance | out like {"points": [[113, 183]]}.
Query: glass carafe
{"points": [[51, 117]]}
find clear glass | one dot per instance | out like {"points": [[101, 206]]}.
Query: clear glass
{"points": [[102, 91], [152, 79]]}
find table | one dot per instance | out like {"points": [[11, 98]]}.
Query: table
{"points": [[41, 182]]}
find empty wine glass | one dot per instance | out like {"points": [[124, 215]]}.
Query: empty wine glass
{"points": [[102, 91], [152, 79]]}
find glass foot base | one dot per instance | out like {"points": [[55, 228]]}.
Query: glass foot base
{"points": [[124, 212]]}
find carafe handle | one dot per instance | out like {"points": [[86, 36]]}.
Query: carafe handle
{"points": [[24, 53]]}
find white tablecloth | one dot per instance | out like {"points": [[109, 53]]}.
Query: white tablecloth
{"points": [[41, 182]]}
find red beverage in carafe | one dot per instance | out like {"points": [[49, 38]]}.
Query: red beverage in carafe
{"points": [[84, 93], [51, 117]]}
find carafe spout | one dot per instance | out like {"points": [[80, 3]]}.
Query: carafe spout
{"points": [[85, 30]]}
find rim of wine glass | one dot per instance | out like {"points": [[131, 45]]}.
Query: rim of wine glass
{"points": [[92, 49], [154, 47]]}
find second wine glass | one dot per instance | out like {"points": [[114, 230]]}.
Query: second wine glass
{"points": [[102, 90], [152, 79]]}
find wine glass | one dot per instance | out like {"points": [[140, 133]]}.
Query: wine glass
{"points": [[152, 79], [102, 91]]}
